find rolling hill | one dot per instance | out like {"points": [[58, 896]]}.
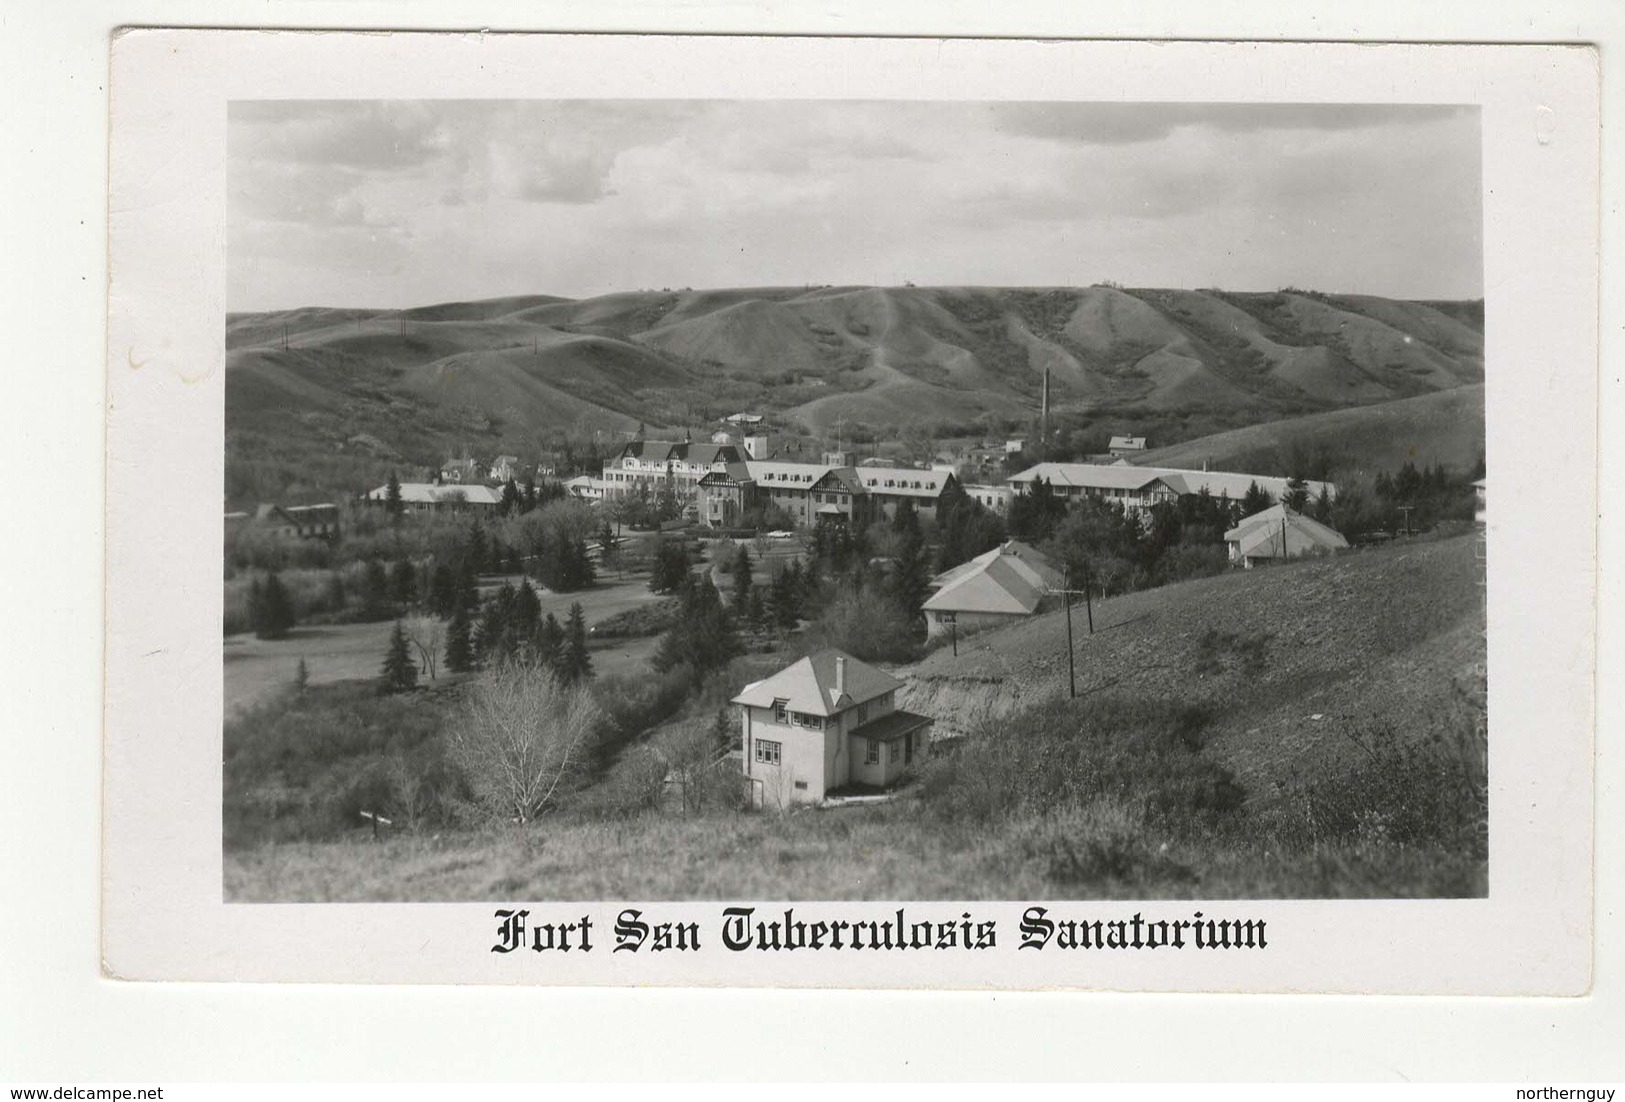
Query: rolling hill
{"points": [[1378, 640], [506, 373], [1445, 427]]}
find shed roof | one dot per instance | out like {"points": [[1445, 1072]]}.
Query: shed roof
{"points": [[891, 726], [809, 685]]}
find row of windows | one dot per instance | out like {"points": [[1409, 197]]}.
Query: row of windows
{"points": [[902, 484], [768, 751]]}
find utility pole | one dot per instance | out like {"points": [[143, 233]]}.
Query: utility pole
{"points": [[953, 633], [1088, 602], [1406, 509], [1071, 661]]}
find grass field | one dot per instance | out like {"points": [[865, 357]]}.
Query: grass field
{"points": [[1309, 730], [257, 668]]}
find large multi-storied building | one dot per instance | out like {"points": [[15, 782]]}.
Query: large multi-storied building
{"points": [[643, 466], [810, 492], [1138, 488]]}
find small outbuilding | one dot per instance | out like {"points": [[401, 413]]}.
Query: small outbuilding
{"points": [[1280, 533], [1008, 583]]}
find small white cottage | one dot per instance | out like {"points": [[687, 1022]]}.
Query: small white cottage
{"points": [[823, 723]]}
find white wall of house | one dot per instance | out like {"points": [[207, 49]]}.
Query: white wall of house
{"points": [[967, 623], [814, 760]]}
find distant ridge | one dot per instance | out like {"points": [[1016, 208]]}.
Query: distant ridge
{"points": [[514, 368]]}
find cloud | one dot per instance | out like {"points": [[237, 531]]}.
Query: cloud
{"points": [[363, 135], [1131, 123]]}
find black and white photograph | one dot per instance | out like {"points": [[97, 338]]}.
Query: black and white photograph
{"points": [[712, 499], [850, 513]]}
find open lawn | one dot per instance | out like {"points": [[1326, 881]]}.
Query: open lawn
{"points": [[256, 668]]}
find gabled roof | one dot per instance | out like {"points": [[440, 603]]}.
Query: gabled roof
{"points": [[737, 471], [1031, 563], [999, 585], [426, 493], [809, 685], [1260, 534], [1089, 476], [1123, 476]]}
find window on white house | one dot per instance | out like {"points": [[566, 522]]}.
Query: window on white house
{"points": [[803, 719], [872, 754], [863, 712], [767, 751], [780, 712]]}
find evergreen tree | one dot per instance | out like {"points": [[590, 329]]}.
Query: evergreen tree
{"points": [[742, 587], [399, 673], [1323, 506], [375, 591], [479, 549], [468, 592], [403, 583], [392, 497], [912, 574], [1256, 500], [512, 500], [575, 664], [272, 611], [671, 566], [459, 644], [301, 675], [335, 591], [529, 501], [784, 598], [703, 637], [550, 642], [527, 612], [1297, 494], [442, 589]]}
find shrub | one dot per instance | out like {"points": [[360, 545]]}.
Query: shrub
{"points": [[1067, 754]]}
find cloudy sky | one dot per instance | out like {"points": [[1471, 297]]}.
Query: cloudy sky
{"points": [[401, 203]]}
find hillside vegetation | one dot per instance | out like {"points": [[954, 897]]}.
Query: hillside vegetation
{"points": [[1442, 428], [1314, 729], [369, 388]]}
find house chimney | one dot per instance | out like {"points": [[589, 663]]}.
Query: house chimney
{"points": [[840, 676]]}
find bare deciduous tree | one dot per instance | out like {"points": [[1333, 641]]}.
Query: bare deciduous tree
{"points": [[426, 635], [521, 737]]}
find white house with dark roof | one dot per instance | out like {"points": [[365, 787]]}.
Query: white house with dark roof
{"points": [[822, 723]]}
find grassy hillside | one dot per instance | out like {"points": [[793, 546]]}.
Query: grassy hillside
{"points": [[505, 373], [1307, 730], [1446, 427]]}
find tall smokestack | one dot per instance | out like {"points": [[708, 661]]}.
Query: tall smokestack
{"points": [[1043, 420]]}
